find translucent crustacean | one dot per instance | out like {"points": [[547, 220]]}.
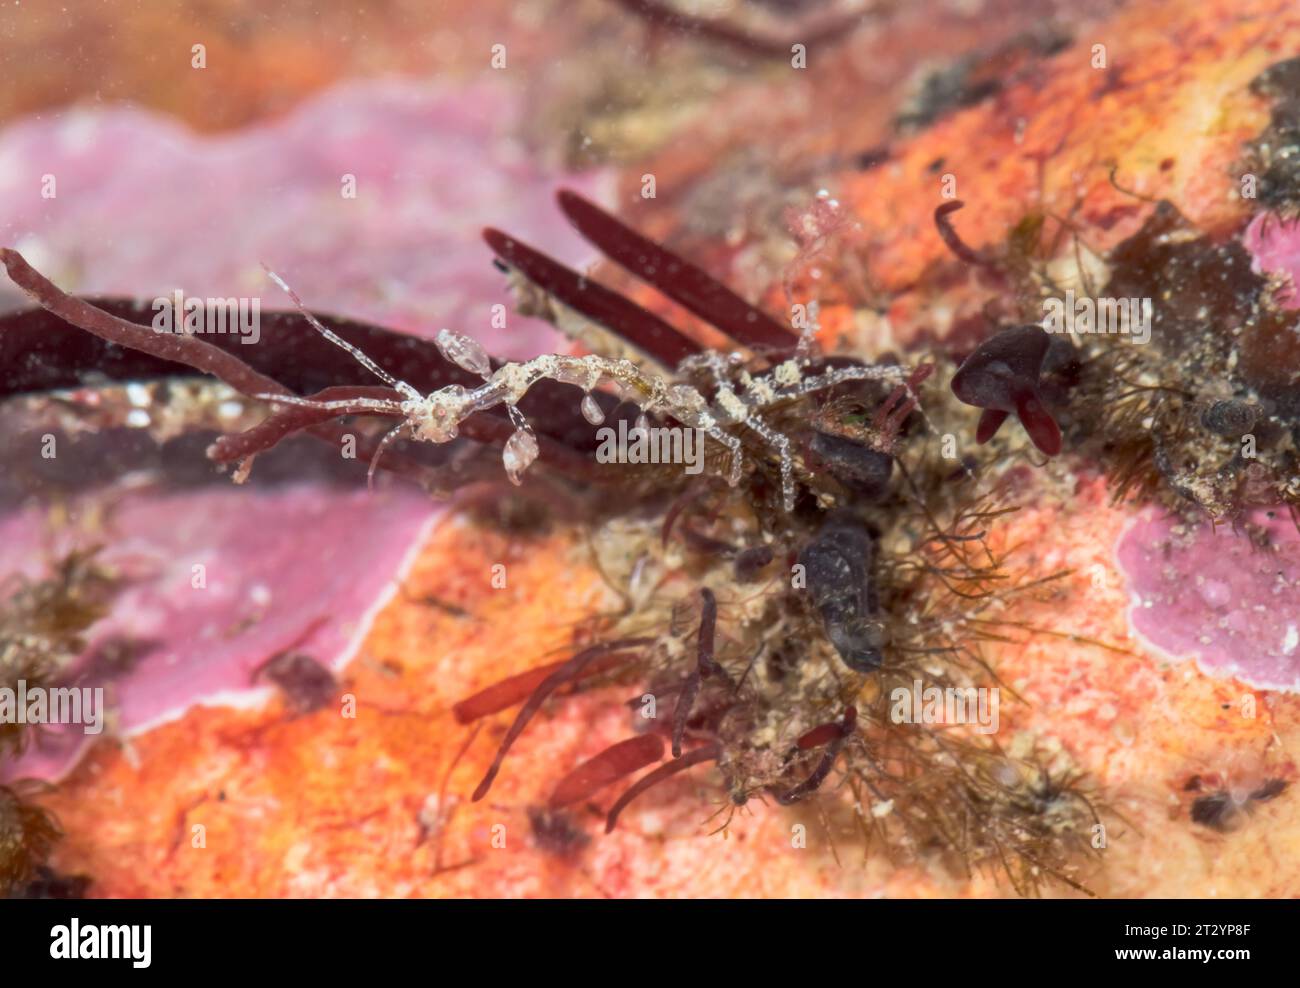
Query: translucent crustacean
{"points": [[738, 397]]}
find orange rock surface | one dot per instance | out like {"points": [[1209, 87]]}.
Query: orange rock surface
{"points": [[377, 805]]}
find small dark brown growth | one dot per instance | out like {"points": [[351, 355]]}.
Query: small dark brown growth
{"points": [[44, 626], [839, 568], [1269, 790], [979, 75], [1231, 418], [50, 884], [1218, 811], [1178, 440], [750, 563], [555, 832], [1223, 812], [863, 470], [27, 835], [1275, 153], [306, 684], [663, 15]]}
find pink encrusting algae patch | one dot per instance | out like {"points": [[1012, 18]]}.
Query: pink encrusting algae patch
{"points": [[1213, 594], [1274, 245], [216, 582], [299, 567], [369, 200]]}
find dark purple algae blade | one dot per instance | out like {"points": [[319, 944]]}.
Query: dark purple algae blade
{"points": [[676, 277], [41, 352], [644, 330]]}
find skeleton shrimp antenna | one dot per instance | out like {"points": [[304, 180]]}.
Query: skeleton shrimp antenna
{"points": [[406, 390]]}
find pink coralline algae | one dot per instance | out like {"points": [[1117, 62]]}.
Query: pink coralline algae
{"points": [[1274, 245], [141, 207], [218, 581], [369, 200], [1231, 602]]}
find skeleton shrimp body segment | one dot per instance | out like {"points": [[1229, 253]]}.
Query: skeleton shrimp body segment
{"points": [[436, 417]]}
